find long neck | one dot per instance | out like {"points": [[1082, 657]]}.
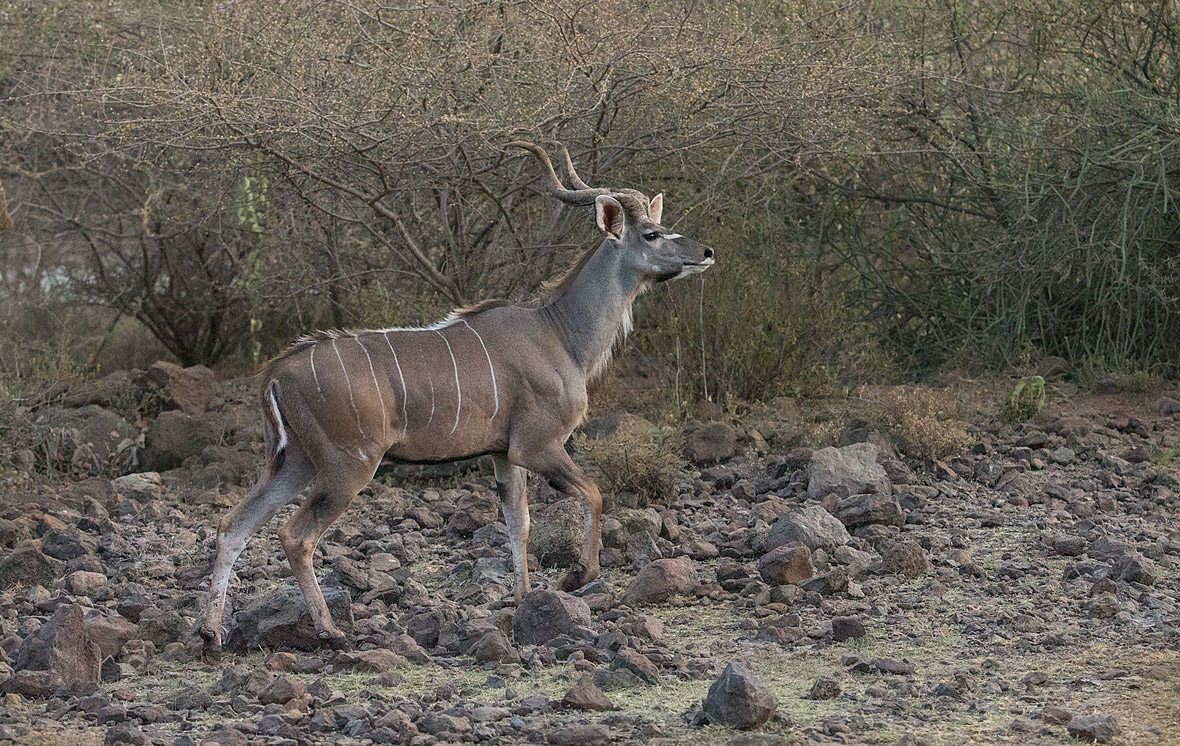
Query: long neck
{"points": [[595, 308]]}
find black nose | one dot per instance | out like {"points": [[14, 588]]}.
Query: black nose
{"points": [[708, 253]]}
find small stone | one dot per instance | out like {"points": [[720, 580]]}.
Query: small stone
{"points": [[824, 688], [543, 615], [739, 700], [1100, 728], [580, 735], [125, 734], [790, 563], [584, 695], [711, 444], [282, 690], [1056, 715], [661, 579], [83, 583], [847, 628], [906, 558]]}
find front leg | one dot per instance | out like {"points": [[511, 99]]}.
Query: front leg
{"points": [[512, 483], [565, 477]]}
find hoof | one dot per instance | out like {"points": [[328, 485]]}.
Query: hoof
{"points": [[577, 577]]}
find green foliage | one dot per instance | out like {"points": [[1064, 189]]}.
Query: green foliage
{"points": [[1028, 396]]}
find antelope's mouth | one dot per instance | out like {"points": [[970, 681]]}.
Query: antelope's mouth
{"points": [[692, 268]]}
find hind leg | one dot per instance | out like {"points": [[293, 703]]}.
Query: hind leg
{"points": [[270, 494], [328, 499]]}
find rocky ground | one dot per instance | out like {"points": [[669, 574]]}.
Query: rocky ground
{"points": [[1022, 592]]}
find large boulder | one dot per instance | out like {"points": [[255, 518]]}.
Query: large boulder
{"points": [[557, 532], [543, 615], [87, 437], [175, 436], [188, 389], [661, 579], [844, 471], [63, 647], [281, 619], [811, 526], [738, 700], [711, 444], [27, 566]]}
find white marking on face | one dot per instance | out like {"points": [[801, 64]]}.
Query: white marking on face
{"points": [[405, 418], [458, 390], [351, 400], [380, 397], [673, 236], [315, 377], [495, 390]]}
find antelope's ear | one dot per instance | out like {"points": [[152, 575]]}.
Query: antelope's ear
{"points": [[655, 210], [608, 213]]}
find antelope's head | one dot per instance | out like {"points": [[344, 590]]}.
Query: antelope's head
{"points": [[630, 222]]}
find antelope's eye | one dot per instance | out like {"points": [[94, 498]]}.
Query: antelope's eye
{"points": [[651, 235]]}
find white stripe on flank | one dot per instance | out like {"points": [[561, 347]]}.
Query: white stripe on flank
{"points": [[351, 401], [673, 236], [274, 408], [429, 379], [495, 390], [405, 418], [458, 390], [318, 390], [380, 397]]}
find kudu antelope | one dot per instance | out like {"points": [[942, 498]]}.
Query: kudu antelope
{"points": [[499, 379]]}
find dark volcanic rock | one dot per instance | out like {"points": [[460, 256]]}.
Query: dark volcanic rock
{"points": [[35, 684], [556, 533], [63, 647], [711, 444], [29, 566], [90, 435], [188, 389], [811, 526], [847, 628], [824, 688], [850, 470], [473, 511], [864, 510], [739, 700], [543, 615], [906, 558], [281, 620], [175, 436], [790, 563], [659, 580], [584, 695], [1100, 728]]}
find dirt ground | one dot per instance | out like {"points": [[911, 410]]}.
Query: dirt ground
{"points": [[1028, 583]]}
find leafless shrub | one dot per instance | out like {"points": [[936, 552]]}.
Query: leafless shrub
{"points": [[646, 465]]}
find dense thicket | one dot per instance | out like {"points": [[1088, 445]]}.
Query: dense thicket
{"points": [[890, 186]]}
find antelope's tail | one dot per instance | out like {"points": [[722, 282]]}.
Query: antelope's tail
{"points": [[274, 429]]}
